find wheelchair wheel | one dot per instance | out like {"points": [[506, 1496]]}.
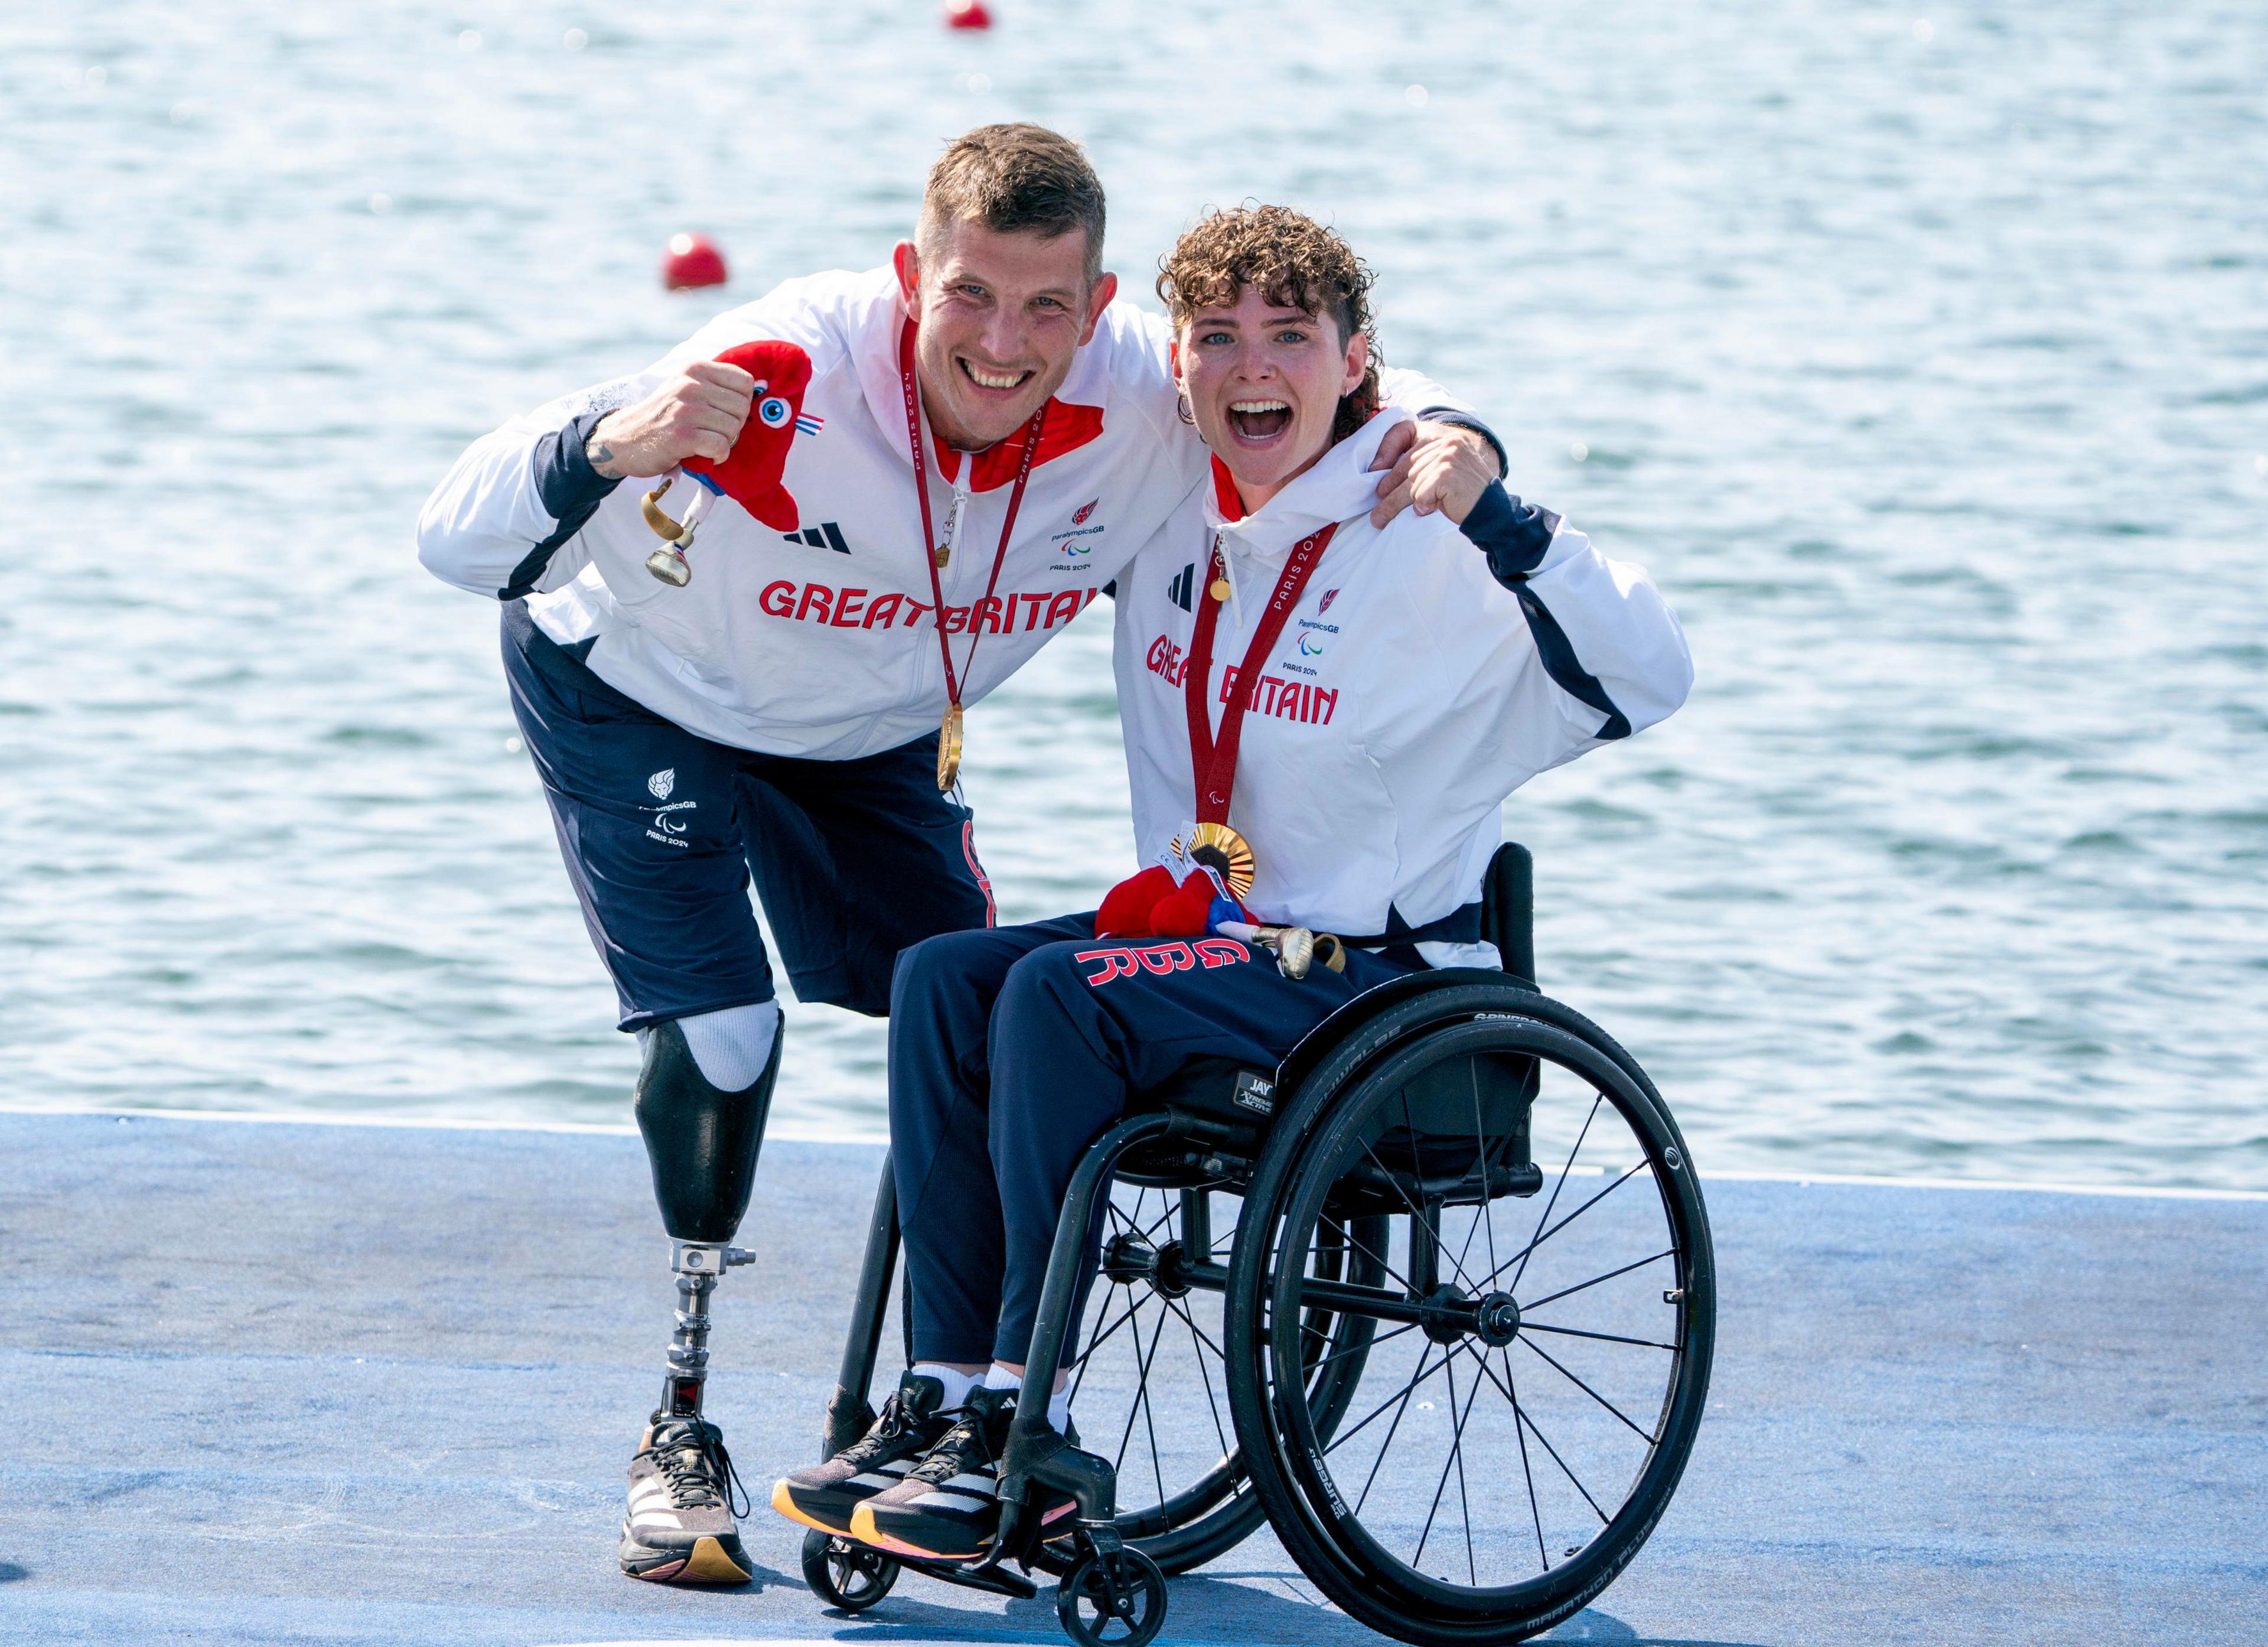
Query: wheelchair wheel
{"points": [[1153, 1340], [1114, 1598], [844, 1573], [1542, 1340]]}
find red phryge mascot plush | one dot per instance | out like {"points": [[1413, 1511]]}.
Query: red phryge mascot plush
{"points": [[1152, 904], [750, 474]]}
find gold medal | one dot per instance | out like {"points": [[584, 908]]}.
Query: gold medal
{"points": [[1218, 847], [1220, 589], [948, 749]]}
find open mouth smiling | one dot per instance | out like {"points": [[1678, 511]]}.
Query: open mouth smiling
{"points": [[991, 382], [1258, 422]]}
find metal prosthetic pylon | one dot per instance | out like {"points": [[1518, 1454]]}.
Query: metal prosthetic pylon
{"points": [[697, 1264]]}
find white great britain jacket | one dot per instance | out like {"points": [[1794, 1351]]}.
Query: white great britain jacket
{"points": [[1418, 681], [814, 636]]}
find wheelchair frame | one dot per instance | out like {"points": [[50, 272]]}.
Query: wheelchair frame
{"points": [[1175, 1146]]}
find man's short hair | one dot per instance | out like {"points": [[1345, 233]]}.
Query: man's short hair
{"points": [[1016, 179]]}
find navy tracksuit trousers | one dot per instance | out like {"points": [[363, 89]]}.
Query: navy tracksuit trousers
{"points": [[1012, 1050], [661, 829]]}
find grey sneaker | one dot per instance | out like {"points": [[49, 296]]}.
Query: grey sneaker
{"points": [[824, 1495], [681, 1526]]}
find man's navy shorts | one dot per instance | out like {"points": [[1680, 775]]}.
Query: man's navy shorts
{"points": [[855, 860]]}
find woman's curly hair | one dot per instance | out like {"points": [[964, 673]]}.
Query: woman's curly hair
{"points": [[1292, 261]]}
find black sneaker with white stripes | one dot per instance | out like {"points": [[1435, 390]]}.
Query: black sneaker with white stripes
{"points": [[824, 1495], [948, 1506], [681, 1526]]}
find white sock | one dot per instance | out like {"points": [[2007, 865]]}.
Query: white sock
{"points": [[732, 1046], [957, 1384], [998, 1377]]}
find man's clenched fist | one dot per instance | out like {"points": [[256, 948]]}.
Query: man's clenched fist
{"points": [[698, 413], [1432, 466]]}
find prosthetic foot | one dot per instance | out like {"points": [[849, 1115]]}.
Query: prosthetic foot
{"points": [[682, 1524]]}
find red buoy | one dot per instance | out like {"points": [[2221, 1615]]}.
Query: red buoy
{"points": [[967, 14], [692, 259]]}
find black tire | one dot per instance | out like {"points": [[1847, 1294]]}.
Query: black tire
{"points": [[1179, 1527], [844, 1573], [1326, 1140], [1117, 1599]]}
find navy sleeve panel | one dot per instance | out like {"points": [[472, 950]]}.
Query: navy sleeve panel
{"points": [[571, 491], [1564, 667], [1457, 419], [1511, 534]]}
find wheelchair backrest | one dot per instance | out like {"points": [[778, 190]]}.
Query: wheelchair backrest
{"points": [[1508, 908]]}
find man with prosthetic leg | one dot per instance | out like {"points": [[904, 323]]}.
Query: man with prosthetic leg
{"points": [[856, 506]]}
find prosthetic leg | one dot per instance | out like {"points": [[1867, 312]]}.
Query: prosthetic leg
{"points": [[681, 1525], [702, 1144]]}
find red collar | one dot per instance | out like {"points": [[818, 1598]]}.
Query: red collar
{"points": [[1224, 496]]}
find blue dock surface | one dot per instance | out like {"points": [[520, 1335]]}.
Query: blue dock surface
{"points": [[283, 1383]]}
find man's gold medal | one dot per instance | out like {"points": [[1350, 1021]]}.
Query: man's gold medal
{"points": [[948, 749]]}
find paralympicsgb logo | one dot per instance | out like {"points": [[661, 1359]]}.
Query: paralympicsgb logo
{"points": [[661, 783]]}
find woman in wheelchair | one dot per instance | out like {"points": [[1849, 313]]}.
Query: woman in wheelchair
{"points": [[1322, 719]]}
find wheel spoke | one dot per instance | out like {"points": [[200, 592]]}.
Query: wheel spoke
{"points": [[1481, 1156], [1150, 1411], [1523, 1254], [1142, 1398], [1526, 1474], [1415, 1211], [1526, 1325], [1455, 1263], [1553, 1297], [1197, 1340], [1390, 1429], [1377, 1258], [1456, 1458], [1345, 1435], [1133, 1304], [1520, 1414], [1135, 1410], [1649, 1439], [1597, 1098], [1358, 1349], [1203, 1336], [1427, 1530]]}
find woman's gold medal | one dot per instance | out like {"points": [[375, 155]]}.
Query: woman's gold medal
{"points": [[1219, 848], [948, 749]]}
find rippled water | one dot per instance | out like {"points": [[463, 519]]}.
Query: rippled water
{"points": [[1921, 352]]}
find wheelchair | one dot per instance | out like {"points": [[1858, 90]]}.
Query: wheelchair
{"points": [[1453, 1355]]}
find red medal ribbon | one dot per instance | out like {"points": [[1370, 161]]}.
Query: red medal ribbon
{"points": [[928, 531], [1213, 759]]}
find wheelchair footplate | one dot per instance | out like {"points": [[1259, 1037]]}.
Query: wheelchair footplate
{"points": [[1108, 1594]]}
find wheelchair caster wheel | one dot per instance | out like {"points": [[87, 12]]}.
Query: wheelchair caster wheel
{"points": [[1114, 1598], [846, 1574]]}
